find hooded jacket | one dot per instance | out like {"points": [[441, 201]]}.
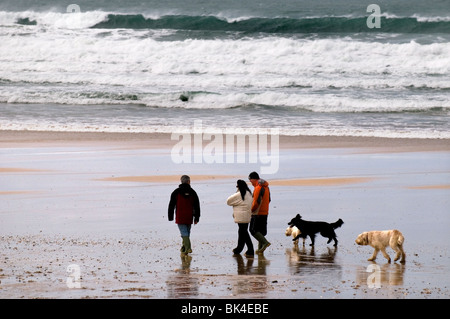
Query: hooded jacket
{"points": [[241, 208], [261, 198], [186, 205]]}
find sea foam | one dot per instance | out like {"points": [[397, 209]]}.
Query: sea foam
{"points": [[87, 66], [310, 85]]}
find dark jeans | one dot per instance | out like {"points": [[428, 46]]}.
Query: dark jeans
{"points": [[244, 239], [258, 224]]}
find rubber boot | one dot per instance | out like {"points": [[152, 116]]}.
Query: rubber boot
{"points": [[183, 248], [186, 245], [263, 243]]}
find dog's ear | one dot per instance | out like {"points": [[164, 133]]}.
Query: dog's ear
{"points": [[366, 238]]}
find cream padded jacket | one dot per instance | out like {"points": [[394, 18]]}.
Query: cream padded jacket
{"points": [[241, 208]]}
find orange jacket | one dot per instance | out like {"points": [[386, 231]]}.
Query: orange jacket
{"points": [[261, 195]]}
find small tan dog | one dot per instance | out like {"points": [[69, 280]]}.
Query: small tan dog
{"points": [[294, 232], [382, 239]]}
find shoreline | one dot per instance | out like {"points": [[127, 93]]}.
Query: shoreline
{"points": [[10, 138]]}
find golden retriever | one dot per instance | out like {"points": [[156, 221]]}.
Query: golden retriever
{"points": [[379, 240]]}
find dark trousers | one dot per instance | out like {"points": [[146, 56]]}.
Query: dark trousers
{"points": [[258, 224], [244, 239]]}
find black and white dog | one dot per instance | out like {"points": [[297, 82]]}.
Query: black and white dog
{"points": [[309, 228]]}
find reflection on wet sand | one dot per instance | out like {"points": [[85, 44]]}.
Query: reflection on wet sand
{"points": [[250, 280], [182, 284], [303, 261], [251, 277], [380, 276]]}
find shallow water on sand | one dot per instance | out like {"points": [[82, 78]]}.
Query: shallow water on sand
{"points": [[117, 232]]}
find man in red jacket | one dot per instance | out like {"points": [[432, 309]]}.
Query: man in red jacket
{"points": [[260, 211], [185, 202]]}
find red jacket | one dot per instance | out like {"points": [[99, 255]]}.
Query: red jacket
{"points": [[185, 202], [261, 195]]}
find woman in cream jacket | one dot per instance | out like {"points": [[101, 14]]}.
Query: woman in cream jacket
{"points": [[241, 201]]}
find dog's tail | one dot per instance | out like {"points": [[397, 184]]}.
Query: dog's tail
{"points": [[400, 238], [337, 224]]}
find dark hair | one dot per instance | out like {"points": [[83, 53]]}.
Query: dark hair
{"points": [[243, 188], [253, 175]]}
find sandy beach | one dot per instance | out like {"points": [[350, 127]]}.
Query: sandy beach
{"points": [[84, 215]]}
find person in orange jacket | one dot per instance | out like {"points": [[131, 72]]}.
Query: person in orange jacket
{"points": [[260, 211]]}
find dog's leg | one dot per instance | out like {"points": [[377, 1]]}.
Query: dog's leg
{"points": [[304, 238], [403, 254], [383, 250], [398, 253], [332, 238], [403, 260], [335, 242], [312, 239], [374, 256], [331, 235]]}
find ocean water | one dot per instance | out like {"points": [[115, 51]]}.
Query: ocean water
{"points": [[305, 67]]}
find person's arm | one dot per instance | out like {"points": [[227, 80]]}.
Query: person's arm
{"points": [[196, 208], [257, 197], [234, 199], [172, 204]]}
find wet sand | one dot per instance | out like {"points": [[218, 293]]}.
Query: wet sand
{"points": [[85, 216], [163, 140]]}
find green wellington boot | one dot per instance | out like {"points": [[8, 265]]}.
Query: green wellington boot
{"points": [[262, 242], [186, 245]]}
